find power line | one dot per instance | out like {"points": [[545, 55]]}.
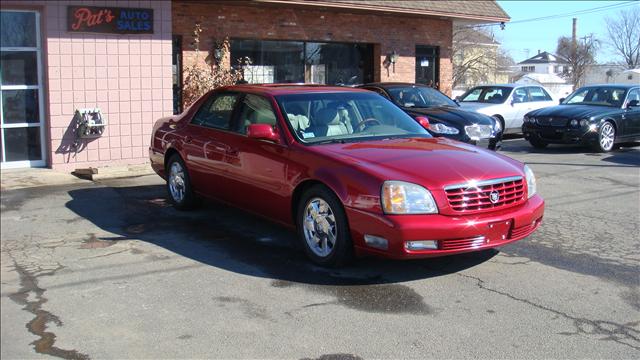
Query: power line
{"points": [[558, 16]]}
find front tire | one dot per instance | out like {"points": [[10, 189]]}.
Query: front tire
{"points": [[606, 137], [179, 184], [322, 227], [537, 143]]}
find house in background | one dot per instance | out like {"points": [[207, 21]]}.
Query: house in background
{"points": [[476, 60], [544, 69], [543, 63]]}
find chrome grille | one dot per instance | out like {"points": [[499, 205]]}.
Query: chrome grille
{"points": [[552, 121], [476, 196], [462, 244]]}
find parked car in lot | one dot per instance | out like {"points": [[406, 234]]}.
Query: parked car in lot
{"points": [[508, 102], [599, 116], [350, 171], [443, 115]]}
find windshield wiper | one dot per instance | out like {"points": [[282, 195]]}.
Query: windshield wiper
{"points": [[329, 141]]}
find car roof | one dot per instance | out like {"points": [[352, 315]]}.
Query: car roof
{"points": [[392, 84], [623, 86], [287, 89]]}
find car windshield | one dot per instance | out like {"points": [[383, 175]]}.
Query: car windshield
{"points": [[487, 94], [599, 96], [419, 97], [345, 117]]}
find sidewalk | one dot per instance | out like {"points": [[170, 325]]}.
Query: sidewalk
{"points": [[11, 179]]}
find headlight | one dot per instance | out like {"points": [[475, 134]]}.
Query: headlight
{"points": [[574, 123], [531, 181], [399, 197], [477, 132], [439, 128], [584, 122], [526, 119]]}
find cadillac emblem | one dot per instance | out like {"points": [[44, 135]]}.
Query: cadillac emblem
{"points": [[494, 197]]}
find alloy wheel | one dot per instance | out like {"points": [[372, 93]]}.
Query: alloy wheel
{"points": [[320, 228], [607, 136], [177, 182]]}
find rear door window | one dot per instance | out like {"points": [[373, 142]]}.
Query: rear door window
{"points": [[538, 94], [216, 112]]}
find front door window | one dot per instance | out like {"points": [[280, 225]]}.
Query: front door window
{"points": [[21, 105]]}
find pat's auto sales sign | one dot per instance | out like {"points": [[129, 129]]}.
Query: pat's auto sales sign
{"points": [[109, 20]]}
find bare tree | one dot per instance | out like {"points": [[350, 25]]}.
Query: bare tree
{"points": [[624, 36], [580, 55], [474, 56]]}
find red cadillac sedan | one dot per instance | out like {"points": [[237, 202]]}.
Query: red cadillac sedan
{"points": [[352, 173]]}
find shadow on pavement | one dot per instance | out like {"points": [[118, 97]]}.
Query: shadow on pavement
{"points": [[627, 155], [230, 239]]}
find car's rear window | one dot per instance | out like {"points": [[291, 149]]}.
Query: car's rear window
{"points": [[346, 116]]}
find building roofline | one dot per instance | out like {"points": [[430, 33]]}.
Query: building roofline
{"points": [[384, 9]]}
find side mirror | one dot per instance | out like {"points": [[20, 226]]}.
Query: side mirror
{"points": [[263, 132], [560, 101], [633, 103], [423, 121]]}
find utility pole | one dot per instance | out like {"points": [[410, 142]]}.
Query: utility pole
{"points": [[574, 51]]}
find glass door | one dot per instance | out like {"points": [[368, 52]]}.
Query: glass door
{"points": [[21, 107], [427, 66]]}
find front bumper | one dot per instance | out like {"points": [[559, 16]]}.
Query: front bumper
{"points": [[455, 234], [492, 143], [563, 135]]}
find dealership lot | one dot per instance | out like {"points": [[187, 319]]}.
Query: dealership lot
{"points": [[110, 270]]}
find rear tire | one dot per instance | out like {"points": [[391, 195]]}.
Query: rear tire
{"points": [[179, 186], [537, 143], [323, 228]]}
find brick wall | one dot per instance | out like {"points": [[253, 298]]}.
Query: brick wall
{"points": [[387, 32], [127, 76]]}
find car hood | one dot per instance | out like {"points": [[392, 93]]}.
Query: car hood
{"points": [[574, 111], [450, 114], [430, 162]]}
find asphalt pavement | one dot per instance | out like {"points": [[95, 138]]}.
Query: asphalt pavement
{"points": [[107, 269]]}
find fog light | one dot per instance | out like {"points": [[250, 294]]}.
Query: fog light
{"points": [[376, 242], [421, 245]]}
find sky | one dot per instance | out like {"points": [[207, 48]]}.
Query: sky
{"points": [[531, 36]]}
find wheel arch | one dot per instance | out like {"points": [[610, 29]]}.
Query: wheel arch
{"points": [[303, 186], [501, 119], [168, 154]]}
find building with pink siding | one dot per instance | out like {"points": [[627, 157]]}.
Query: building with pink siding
{"points": [[50, 72]]}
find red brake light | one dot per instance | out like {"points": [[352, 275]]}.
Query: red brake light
{"points": [[423, 120]]}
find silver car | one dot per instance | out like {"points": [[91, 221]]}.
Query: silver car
{"points": [[506, 102]]}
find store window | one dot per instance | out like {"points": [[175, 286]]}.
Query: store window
{"points": [[21, 105], [303, 62]]}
